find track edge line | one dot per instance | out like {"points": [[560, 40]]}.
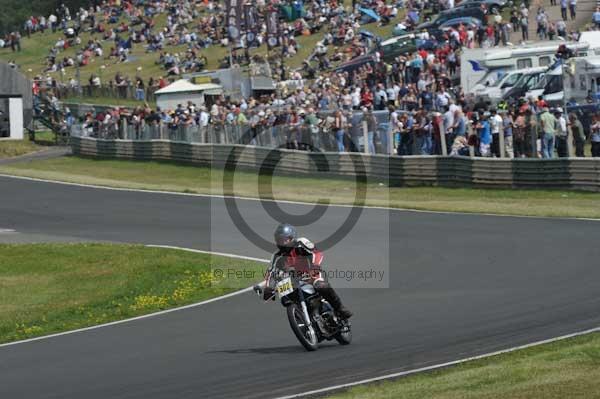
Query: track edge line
{"points": [[339, 387]]}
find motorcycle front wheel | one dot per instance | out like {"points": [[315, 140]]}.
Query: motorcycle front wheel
{"points": [[344, 337], [306, 335]]}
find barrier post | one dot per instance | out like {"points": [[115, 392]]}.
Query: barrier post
{"points": [[501, 141], [570, 149], [365, 136], [443, 138], [123, 132], [471, 133]]}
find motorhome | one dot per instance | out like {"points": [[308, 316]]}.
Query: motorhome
{"points": [[479, 66], [577, 79], [581, 79]]}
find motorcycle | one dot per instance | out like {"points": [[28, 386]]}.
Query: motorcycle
{"points": [[311, 317]]}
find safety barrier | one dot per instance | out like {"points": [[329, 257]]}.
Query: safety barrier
{"points": [[572, 173]]}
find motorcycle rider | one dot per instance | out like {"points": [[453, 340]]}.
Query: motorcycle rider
{"points": [[301, 255]]}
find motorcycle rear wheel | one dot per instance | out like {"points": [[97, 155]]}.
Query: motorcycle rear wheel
{"points": [[305, 335]]}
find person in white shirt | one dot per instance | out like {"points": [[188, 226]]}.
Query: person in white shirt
{"points": [[52, 20], [561, 134], [495, 126], [391, 95], [356, 98]]}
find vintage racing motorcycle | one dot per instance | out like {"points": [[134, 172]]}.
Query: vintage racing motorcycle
{"points": [[311, 317]]}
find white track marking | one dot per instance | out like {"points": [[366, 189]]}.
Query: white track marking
{"points": [[3, 231], [135, 190], [192, 305], [200, 251], [437, 366]]}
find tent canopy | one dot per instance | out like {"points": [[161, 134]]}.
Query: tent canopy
{"points": [[185, 86], [370, 13]]}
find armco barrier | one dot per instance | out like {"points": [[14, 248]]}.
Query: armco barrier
{"points": [[574, 173]]}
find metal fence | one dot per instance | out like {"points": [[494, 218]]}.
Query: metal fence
{"points": [[356, 137], [301, 137]]}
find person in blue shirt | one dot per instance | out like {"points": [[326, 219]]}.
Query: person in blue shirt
{"points": [[485, 134], [596, 17], [460, 123], [426, 98], [324, 103], [417, 66], [413, 15], [563, 9]]}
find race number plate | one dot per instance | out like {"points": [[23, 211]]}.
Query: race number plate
{"points": [[284, 287]]}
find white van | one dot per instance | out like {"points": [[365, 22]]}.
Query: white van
{"points": [[494, 91], [550, 85], [479, 66]]}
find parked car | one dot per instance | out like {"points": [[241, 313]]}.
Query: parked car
{"points": [[493, 6], [435, 24], [355, 63], [454, 23], [400, 45]]}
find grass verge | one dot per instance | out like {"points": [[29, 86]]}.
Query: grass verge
{"points": [[15, 148], [193, 179], [112, 101], [564, 369], [49, 288]]}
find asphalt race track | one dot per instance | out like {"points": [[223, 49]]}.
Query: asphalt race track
{"points": [[459, 285]]}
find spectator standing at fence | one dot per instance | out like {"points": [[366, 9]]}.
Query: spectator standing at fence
{"points": [[485, 134], [339, 124], [520, 127], [405, 140], [460, 123], [448, 121], [548, 124], [595, 136], [578, 134], [495, 121], [371, 128], [395, 127], [203, 119], [425, 130], [508, 124], [561, 134]]}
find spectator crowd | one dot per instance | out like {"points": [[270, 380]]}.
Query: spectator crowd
{"points": [[423, 107]]}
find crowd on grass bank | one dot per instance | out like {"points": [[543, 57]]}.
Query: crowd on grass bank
{"points": [[163, 26]]}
